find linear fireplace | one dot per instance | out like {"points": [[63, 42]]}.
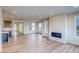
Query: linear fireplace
{"points": [[55, 34]]}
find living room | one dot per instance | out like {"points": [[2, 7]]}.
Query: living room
{"points": [[34, 26]]}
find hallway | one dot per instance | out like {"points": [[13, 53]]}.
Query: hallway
{"points": [[35, 43]]}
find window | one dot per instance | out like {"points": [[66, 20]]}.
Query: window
{"points": [[46, 26], [33, 26], [40, 26], [77, 25]]}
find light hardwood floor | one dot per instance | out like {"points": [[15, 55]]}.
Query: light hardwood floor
{"points": [[35, 43]]}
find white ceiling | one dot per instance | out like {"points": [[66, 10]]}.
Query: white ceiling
{"points": [[37, 12]]}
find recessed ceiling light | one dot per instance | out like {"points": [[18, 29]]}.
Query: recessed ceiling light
{"points": [[14, 12]]}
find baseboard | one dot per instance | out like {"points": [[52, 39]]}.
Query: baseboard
{"points": [[61, 40], [72, 43], [45, 36]]}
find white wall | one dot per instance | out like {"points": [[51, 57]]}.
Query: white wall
{"points": [[57, 24]]}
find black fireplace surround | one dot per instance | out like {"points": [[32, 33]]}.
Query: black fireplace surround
{"points": [[55, 34]]}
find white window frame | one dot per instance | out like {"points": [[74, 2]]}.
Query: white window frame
{"points": [[75, 28]]}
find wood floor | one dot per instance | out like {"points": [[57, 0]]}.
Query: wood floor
{"points": [[35, 43]]}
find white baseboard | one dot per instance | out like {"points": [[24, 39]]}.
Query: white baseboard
{"points": [[58, 40]]}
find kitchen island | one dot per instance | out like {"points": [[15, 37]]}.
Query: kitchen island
{"points": [[6, 33], [5, 36]]}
